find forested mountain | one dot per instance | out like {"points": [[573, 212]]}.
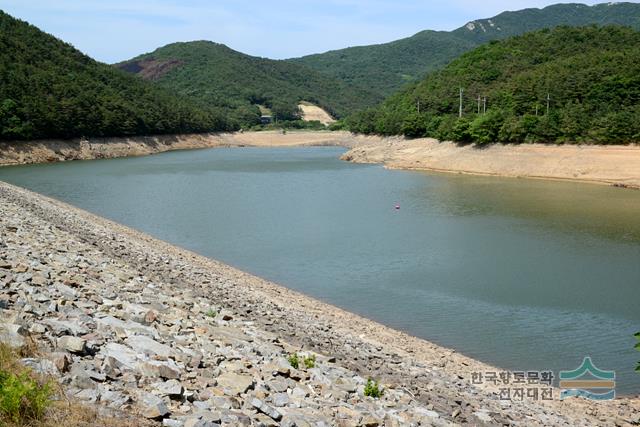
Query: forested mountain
{"points": [[214, 74], [562, 85], [385, 68], [48, 89]]}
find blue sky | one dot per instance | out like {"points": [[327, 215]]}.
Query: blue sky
{"points": [[115, 30]]}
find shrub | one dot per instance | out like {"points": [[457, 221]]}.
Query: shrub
{"points": [[294, 361], [211, 313], [485, 129], [23, 396], [638, 348], [372, 389], [461, 131], [310, 361]]}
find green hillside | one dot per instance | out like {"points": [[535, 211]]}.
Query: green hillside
{"points": [[214, 74], [48, 89], [591, 76], [385, 68]]}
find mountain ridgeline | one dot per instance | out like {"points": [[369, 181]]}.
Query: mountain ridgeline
{"points": [[386, 68], [213, 74], [48, 89], [561, 85]]}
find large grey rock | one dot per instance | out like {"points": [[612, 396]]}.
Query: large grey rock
{"points": [[12, 335], [235, 383], [158, 369], [148, 346], [72, 344], [114, 399], [123, 356], [151, 406], [266, 409], [66, 327], [171, 388], [198, 422], [41, 366], [125, 329], [280, 399]]}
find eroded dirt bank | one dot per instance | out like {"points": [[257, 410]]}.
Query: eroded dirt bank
{"points": [[618, 165], [138, 325], [43, 151], [614, 165]]}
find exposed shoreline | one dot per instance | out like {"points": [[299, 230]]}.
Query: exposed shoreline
{"points": [[437, 377], [48, 151], [609, 165]]}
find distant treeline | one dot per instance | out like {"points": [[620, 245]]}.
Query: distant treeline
{"points": [[560, 85], [48, 89]]}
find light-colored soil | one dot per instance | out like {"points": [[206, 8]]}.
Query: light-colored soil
{"points": [[618, 165], [612, 164], [313, 112], [45, 151]]}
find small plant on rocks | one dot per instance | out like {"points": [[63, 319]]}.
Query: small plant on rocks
{"points": [[372, 389], [23, 398], [294, 361], [638, 348], [310, 361], [211, 313]]}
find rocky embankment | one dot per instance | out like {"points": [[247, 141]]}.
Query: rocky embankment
{"points": [[134, 325]]}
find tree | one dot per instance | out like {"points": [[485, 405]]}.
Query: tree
{"points": [[283, 110], [558, 85]]}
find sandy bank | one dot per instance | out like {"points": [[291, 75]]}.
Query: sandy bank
{"points": [[618, 165], [589, 163], [179, 285], [44, 151]]}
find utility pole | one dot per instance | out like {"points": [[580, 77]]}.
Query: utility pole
{"points": [[484, 110], [548, 102], [460, 112]]}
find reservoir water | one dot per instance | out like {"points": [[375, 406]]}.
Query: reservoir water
{"points": [[522, 274]]}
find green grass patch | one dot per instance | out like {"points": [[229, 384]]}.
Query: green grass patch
{"points": [[372, 389], [310, 361], [24, 396], [294, 360]]}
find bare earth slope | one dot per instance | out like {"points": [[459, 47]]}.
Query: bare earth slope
{"points": [[313, 112]]}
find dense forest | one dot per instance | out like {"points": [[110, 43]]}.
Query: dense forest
{"points": [[214, 74], [48, 89], [561, 85], [386, 68]]}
